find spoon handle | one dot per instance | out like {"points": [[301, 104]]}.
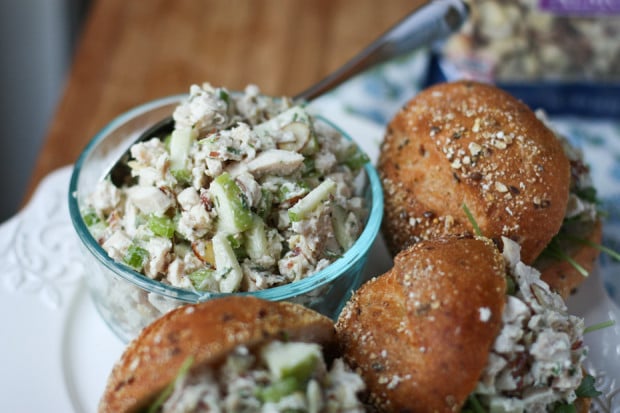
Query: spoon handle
{"points": [[429, 23]]}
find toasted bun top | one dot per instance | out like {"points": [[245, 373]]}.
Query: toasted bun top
{"points": [[208, 332], [420, 335], [474, 144]]}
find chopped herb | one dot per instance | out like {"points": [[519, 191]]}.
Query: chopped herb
{"points": [[554, 250], [587, 194], [586, 388], [613, 254], [224, 96], [511, 286], [474, 404], [564, 408], [225, 273], [233, 150]]}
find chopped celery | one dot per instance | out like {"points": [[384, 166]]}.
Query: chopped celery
{"points": [[161, 226], [235, 240], [183, 176], [165, 394], [339, 221], [256, 244], [90, 218], [180, 144], [312, 200], [237, 244], [136, 257], [201, 277], [229, 272], [274, 392], [297, 359], [167, 140], [233, 212]]}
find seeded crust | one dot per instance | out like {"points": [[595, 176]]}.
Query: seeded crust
{"points": [[207, 331], [474, 144], [561, 276], [416, 334]]}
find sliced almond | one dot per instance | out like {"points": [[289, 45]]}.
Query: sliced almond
{"points": [[203, 250], [299, 134]]}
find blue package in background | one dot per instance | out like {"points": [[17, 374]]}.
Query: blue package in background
{"points": [[588, 99], [561, 56]]}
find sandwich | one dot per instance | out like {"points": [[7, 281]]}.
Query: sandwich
{"points": [[234, 354], [468, 143], [456, 325]]}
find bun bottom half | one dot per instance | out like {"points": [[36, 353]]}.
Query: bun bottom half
{"points": [[208, 332]]}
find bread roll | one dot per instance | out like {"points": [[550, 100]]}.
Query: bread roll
{"points": [[420, 335], [209, 332], [474, 144], [443, 330]]}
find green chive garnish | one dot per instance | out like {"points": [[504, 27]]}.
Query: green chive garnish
{"points": [[599, 326], [471, 219]]}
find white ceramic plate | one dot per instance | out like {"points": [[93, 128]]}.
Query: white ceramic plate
{"points": [[56, 352]]}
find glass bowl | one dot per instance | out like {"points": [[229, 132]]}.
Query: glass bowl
{"points": [[128, 300]]}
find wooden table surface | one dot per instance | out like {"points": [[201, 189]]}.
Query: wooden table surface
{"points": [[134, 51]]}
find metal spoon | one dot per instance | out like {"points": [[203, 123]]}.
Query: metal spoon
{"points": [[426, 25]]}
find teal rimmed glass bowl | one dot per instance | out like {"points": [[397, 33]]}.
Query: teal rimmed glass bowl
{"points": [[128, 300]]}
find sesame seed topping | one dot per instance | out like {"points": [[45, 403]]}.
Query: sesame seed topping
{"points": [[500, 187], [476, 127], [485, 314]]}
